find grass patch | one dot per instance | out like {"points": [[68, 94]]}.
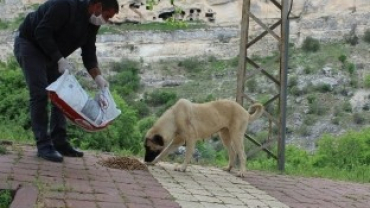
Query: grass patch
{"points": [[16, 133], [359, 174], [367, 81], [156, 26], [328, 53], [3, 25], [13, 24]]}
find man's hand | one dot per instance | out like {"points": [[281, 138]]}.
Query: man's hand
{"points": [[64, 65], [101, 82]]}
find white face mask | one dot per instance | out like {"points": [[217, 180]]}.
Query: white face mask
{"points": [[97, 20]]}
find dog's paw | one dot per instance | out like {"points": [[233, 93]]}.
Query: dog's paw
{"points": [[180, 168], [227, 168], [150, 163], [241, 174]]}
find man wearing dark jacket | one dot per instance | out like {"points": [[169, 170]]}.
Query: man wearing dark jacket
{"points": [[46, 37]]}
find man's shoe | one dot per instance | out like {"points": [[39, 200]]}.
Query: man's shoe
{"points": [[68, 151], [50, 154]]}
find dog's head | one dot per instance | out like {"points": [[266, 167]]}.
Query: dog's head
{"points": [[153, 147]]}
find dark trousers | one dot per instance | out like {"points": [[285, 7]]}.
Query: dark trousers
{"points": [[39, 72]]}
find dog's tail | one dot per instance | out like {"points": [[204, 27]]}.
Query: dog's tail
{"points": [[255, 111]]}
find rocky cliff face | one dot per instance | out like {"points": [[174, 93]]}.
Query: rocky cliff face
{"points": [[326, 20]]}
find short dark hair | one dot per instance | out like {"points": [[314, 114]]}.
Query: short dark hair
{"points": [[107, 4]]}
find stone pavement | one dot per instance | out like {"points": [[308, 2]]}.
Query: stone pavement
{"points": [[300, 192], [204, 187], [82, 183]]}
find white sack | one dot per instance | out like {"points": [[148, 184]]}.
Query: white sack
{"points": [[90, 114]]}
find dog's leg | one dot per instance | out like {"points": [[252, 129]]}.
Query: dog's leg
{"points": [[190, 145], [239, 145], [225, 138], [232, 155], [170, 147]]}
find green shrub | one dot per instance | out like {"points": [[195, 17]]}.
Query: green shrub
{"points": [[359, 118], [297, 156], [335, 121], [209, 98], [157, 97], [338, 110], [35, 6], [347, 107], [325, 151], [309, 120], [311, 98], [14, 102], [296, 91], [346, 157], [127, 79], [342, 58], [346, 152], [252, 85], [14, 24], [354, 81], [308, 70], [5, 198], [125, 64], [121, 134], [367, 36], [303, 130], [141, 108], [212, 59], [351, 68], [316, 108], [367, 81], [145, 124], [366, 107], [206, 150], [292, 81], [351, 39], [192, 64], [311, 44], [165, 107], [323, 88], [234, 62], [3, 25]]}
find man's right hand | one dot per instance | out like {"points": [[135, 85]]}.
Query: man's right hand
{"points": [[101, 82], [63, 65]]}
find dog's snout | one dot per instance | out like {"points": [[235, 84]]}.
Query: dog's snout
{"points": [[150, 155], [147, 158]]}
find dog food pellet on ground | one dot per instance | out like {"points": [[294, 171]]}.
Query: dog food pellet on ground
{"points": [[123, 163]]}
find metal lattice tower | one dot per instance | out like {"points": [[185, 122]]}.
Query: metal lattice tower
{"points": [[246, 64]]}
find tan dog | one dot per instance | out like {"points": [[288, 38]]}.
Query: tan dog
{"points": [[186, 122]]}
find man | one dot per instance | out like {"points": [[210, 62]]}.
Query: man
{"points": [[48, 35]]}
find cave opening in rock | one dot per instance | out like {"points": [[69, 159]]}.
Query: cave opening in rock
{"points": [[166, 15]]}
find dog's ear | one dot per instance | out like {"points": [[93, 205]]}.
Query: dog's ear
{"points": [[158, 139], [155, 143]]}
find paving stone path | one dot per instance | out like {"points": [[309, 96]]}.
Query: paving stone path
{"points": [[210, 187], [300, 192], [83, 183]]}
